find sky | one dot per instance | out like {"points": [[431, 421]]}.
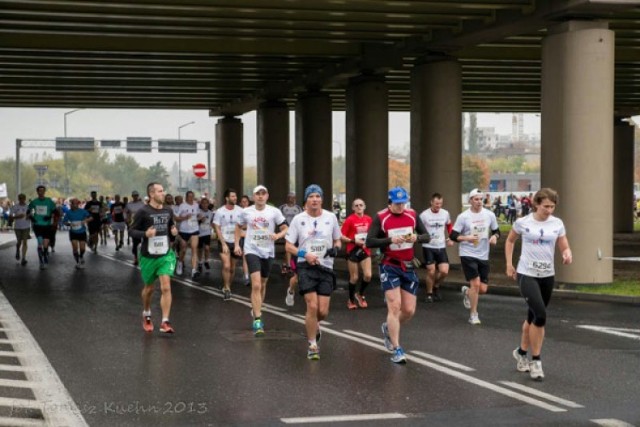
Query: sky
{"points": [[37, 123]]}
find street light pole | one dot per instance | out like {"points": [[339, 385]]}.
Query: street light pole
{"points": [[180, 155], [66, 173]]}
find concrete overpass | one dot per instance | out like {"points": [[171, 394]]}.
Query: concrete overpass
{"points": [[575, 61]]}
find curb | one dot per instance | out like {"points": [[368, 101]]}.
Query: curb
{"points": [[5, 243]]}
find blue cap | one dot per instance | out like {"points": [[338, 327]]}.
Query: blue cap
{"points": [[313, 188], [398, 195]]}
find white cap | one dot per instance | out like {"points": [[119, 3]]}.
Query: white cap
{"points": [[475, 192], [260, 188]]}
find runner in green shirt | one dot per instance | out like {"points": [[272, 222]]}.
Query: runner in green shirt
{"points": [[41, 211]]}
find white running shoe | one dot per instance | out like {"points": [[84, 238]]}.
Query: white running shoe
{"points": [[474, 319], [179, 268], [535, 370], [465, 297], [523, 362], [289, 299]]}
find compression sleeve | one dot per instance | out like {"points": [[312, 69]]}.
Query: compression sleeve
{"points": [[375, 235], [423, 234]]}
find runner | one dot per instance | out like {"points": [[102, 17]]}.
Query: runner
{"points": [[245, 202], [77, 219], [204, 235], [153, 225], [394, 231], [438, 223], [314, 236], [95, 208], [105, 219], [475, 229], [41, 211], [540, 232], [224, 222], [289, 210], [188, 217], [130, 212], [261, 222], [55, 223], [118, 223], [354, 234], [21, 226]]}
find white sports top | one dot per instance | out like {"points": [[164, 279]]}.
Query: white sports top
{"points": [[314, 234], [538, 244], [470, 223], [435, 223], [261, 224]]}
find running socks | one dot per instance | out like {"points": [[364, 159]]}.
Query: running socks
{"points": [[352, 291], [363, 286], [521, 352], [535, 357]]}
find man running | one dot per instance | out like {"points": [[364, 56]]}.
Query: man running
{"points": [[438, 223], [204, 235], [354, 234], [475, 229], [224, 222], [118, 223], [77, 219], [314, 237], [153, 225], [41, 210], [261, 222], [95, 208], [289, 210], [130, 212], [21, 226], [188, 218], [394, 231]]}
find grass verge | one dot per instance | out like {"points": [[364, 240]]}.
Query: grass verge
{"points": [[618, 287]]}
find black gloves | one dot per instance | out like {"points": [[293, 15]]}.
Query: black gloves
{"points": [[333, 252]]}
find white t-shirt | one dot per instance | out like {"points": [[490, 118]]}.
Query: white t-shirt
{"points": [[227, 219], [206, 219], [22, 223], [191, 224], [482, 223], [435, 223], [538, 244], [261, 224], [314, 234], [131, 208]]}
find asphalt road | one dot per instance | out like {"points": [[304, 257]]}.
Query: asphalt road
{"points": [[214, 372]]}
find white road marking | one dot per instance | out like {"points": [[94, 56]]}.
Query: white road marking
{"points": [[51, 391], [21, 422], [538, 393], [634, 334], [3, 341], [612, 422], [20, 403], [18, 383], [15, 368], [342, 418]]}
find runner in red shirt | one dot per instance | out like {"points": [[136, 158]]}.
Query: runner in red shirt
{"points": [[354, 234]]}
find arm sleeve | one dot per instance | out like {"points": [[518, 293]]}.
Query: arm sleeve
{"points": [[375, 236], [423, 234]]}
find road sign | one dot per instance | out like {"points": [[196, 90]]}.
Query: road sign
{"points": [[199, 170]]}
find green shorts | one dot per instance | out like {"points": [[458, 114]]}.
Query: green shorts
{"points": [[152, 268]]}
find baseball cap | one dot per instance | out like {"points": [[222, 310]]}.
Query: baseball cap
{"points": [[135, 193], [398, 195], [260, 188], [475, 192]]}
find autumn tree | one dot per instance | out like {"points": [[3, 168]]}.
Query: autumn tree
{"points": [[475, 173]]}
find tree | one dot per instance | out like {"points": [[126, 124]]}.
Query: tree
{"points": [[475, 173], [398, 174]]}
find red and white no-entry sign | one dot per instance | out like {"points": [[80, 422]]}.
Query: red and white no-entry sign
{"points": [[199, 170]]}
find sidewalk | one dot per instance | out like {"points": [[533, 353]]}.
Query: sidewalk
{"points": [[7, 239]]}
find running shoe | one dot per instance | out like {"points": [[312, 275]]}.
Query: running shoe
{"points": [[207, 266], [23, 262], [17, 255], [399, 356], [194, 274], [351, 305], [535, 370], [522, 364], [199, 267], [77, 265], [226, 294], [42, 265], [387, 338], [318, 335], [166, 327], [429, 298], [465, 297], [179, 268], [313, 353], [289, 299], [147, 325], [117, 247], [474, 319], [361, 300], [258, 327], [135, 261], [247, 281], [436, 295]]}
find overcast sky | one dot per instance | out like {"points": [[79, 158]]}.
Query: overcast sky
{"points": [[36, 123]]}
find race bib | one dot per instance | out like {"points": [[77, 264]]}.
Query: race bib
{"points": [[541, 267], [261, 238], [400, 232], [205, 226], [193, 221], [95, 209], [76, 225], [318, 247], [42, 210], [158, 245], [117, 210], [360, 237], [229, 233]]}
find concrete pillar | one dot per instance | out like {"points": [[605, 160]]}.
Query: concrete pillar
{"points": [[577, 142], [229, 157], [314, 144], [273, 150], [367, 139], [623, 163], [436, 135]]}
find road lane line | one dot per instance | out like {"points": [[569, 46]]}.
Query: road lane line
{"points": [[15, 368], [342, 418], [611, 422], [12, 403], [4, 341], [621, 332], [18, 383], [536, 392], [21, 422], [52, 392]]}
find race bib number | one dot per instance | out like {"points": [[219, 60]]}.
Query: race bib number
{"points": [[117, 210], [405, 232], [261, 238], [229, 233], [76, 225], [361, 237], [42, 210], [95, 209], [480, 231], [158, 245], [193, 221], [541, 267], [318, 247]]}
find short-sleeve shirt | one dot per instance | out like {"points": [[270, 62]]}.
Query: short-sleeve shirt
{"points": [[538, 244], [162, 220], [227, 219], [117, 212], [20, 223], [290, 211], [435, 223], [355, 228], [75, 218], [260, 225], [94, 207], [314, 234], [206, 219], [191, 224], [471, 223], [42, 211]]}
